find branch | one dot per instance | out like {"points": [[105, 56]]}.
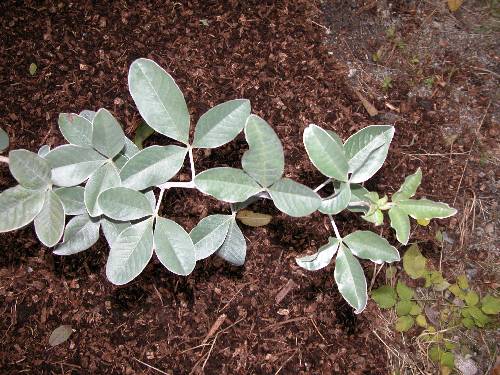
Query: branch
{"points": [[323, 185], [177, 184], [335, 229], [191, 163], [4, 159]]}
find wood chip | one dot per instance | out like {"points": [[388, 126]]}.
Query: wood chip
{"points": [[370, 108], [214, 327], [285, 290]]}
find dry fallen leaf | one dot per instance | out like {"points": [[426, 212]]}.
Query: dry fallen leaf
{"points": [[60, 335], [454, 5], [253, 219]]}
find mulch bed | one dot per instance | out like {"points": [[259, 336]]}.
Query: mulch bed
{"points": [[272, 53]]}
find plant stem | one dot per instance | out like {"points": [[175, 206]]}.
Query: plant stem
{"points": [[323, 185], [177, 184], [4, 159], [191, 163], [335, 229], [158, 204]]}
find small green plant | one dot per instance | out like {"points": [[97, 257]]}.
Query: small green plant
{"points": [[461, 306], [430, 82], [387, 83], [107, 183]]}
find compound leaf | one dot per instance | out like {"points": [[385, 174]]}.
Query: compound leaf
{"points": [[76, 129], [339, 201], [264, 160], [80, 234], [18, 207], [221, 124], [29, 169], [227, 184], [130, 253], [366, 151], [234, 247], [293, 198], [368, 245], [49, 223], [325, 152], [409, 187], [350, 279], [425, 209], [104, 178], [120, 203], [107, 134], [210, 234], [173, 246], [71, 165], [152, 166], [72, 199], [321, 258], [400, 222], [159, 100]]}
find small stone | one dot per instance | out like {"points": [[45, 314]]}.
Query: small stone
{"points": [[466, 366]]}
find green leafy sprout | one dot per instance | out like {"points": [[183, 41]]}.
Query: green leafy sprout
{"points": [[463, 308], [101, 180]]}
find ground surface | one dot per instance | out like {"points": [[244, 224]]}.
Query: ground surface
{"points": [[298, 62]]}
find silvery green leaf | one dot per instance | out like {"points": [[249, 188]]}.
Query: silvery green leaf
{"points": [[293, 198], [221, 124], [400, 222], [264, 160], [130, 149], [71, 165], [80, 234], [49, 223], [409, 187], [325, 152], [425, 209], [339, 201], [151, 197], [18, 207], [227, 184], [152, 166], [44, 150], [173, 246], [72, 199], [88, 114], [321, 258], [368, 245], [234, 247], [130, 253], [112, 228], [120, 203], [210, 234], [29, 169], [358, 194], [104, 178], [375, 216], [4, 140], [107, 134], [350, 279], [335, 137], [75, 129], [159, 100], [366, 151], [120, 160]]}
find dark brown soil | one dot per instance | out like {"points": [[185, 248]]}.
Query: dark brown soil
{"points": [[273, 53]]}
